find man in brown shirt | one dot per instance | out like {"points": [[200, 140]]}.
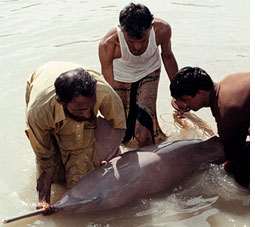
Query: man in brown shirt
{"points": [[229, 101], [63, 100]]}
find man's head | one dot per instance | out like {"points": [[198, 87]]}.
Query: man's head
{"points": [[135, 20], [76, 91], [191, 87]]}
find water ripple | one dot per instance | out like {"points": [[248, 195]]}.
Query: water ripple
{"points": [[196, 5], [9, 34], [79, 41], [25, 7]]}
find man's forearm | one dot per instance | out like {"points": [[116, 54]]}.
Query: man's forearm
{"points": [[45, 170], [44, 187], [170, 65], [45, 165]]}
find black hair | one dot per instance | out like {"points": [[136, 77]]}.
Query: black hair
{"points": [[135, 19], [74, 83], [189, 80]]}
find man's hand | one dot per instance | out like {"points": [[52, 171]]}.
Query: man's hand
{"points": [[177, 106], [228, 166], [103, 163], [44, 189]]}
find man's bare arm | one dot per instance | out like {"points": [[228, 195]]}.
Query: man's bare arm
{"points": [[167, 55], [106, 52], [44, 190]]}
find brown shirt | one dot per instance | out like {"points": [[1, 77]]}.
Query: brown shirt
{"points": [[48, 124], [230, 105]]}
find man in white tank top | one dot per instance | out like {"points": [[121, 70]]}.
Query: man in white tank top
{"points": [[130, 63]]}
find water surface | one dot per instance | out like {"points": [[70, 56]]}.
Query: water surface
{"points": [[212, 34]]}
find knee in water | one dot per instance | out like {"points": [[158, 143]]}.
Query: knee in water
{"points": [[144, 139]]}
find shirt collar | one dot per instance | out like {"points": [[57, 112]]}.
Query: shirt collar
{"points": [[59, 112]]}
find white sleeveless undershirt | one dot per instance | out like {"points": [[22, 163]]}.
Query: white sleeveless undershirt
{"points": [[130, 68]]}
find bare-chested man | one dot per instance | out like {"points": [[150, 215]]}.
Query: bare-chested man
{"points": [[229, 101], [130, 62]]}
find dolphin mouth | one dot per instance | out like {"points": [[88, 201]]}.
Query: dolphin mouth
{"points": [[68, 202]]}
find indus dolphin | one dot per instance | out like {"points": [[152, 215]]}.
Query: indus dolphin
{"points": [[140, 172]]}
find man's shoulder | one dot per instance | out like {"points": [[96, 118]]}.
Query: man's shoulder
{"points": [[238, 75], [103, 87], [233, 81], [98, 76], [110, 38], [49, 71], [162, 29], [160, 25], [234, 92], [43, 109], [109, 45]]}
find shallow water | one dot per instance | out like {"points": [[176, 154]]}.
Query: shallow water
{"points": [[212, 34]]}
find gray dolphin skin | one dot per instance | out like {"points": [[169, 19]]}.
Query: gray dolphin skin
{"points": [[135, 174], [138, 173]]}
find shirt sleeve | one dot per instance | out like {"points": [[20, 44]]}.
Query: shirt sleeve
{"points": [[111, 107], [40, 139]]}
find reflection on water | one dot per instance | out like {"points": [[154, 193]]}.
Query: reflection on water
{"points": [[196, 5], [204, 34]]}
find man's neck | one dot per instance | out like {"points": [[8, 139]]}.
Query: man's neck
{"points": [[207, 95]]}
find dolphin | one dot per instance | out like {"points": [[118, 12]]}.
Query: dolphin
{"points": [[137, 173]]}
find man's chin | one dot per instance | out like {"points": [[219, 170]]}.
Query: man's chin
{"points": [[80, 119], [195, 109], [76, 118]]}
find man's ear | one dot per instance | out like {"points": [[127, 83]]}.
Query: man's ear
{"points": [[59, 100], [201, 92]]}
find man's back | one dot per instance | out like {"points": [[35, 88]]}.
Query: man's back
{"points": [[41, 83], [231, 110], [235, 92]]}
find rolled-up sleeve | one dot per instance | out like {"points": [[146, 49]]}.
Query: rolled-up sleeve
{"points": [[40, 139]]}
